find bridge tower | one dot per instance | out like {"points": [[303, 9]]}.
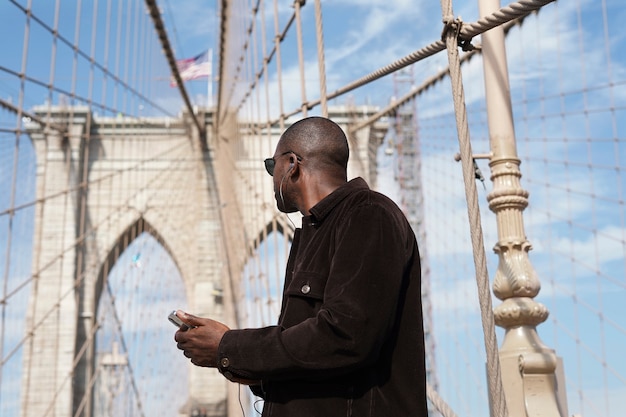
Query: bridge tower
{"points": [[83, 233], [103, 202]]}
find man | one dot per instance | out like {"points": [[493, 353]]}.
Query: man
{"points": [[349, 339]]}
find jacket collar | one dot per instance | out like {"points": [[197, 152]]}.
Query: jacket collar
{"points": [[321, 210]]}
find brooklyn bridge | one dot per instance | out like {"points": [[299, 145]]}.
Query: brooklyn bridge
{"points": [[132, 140]]}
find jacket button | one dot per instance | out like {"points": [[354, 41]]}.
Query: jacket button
{"points": [[305, 289], [225, 362]]}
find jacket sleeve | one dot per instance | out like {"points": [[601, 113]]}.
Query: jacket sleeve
{"points": [[357, 315]]}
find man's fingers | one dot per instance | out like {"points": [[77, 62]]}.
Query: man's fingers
{"points": [[190, 319]]}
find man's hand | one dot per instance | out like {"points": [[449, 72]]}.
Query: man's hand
{"points": [[200, 343]]}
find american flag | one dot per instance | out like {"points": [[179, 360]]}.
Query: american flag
{"points": [[194, 68]]}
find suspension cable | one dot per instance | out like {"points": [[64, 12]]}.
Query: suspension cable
{"points": [[496, 390], [169, 54], [244, 51], [222, 58], [13, 108], [438, 402], [512, 11], [320, 56], [278, 38], [467, 32], [84, 55], [431, 81], [298, 8]]}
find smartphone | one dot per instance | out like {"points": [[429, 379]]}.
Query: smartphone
{"points": [[176, 321]]}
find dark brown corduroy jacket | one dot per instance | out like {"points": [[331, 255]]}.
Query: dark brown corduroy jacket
{"points": [[349, 341]]}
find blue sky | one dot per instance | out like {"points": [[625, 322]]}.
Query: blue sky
{"points": [[567, 83], [567, 76]]}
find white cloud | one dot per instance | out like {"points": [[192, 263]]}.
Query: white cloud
{"points": [[601, 246]]}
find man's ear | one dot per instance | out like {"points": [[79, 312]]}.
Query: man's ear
{"points": [[294, 169], [292, 162]]}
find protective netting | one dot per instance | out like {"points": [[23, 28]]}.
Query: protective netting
{"points": [[108, 65]]}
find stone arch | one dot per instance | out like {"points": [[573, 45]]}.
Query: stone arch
{"points": [[124, 240], [86, 365], [276, 225]]}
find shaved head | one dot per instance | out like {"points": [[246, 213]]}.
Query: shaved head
{"points": [[320, 141]]}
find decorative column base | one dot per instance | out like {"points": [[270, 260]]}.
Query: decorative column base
{"points": [[533, 375]]}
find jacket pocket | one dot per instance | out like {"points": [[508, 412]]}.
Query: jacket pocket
{"points": [[303, 297], [307, 285]]}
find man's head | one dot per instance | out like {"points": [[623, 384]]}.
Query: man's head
{"points": [[310, 161]]}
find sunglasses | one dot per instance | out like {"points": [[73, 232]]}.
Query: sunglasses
{"points": [[270, 163]]}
